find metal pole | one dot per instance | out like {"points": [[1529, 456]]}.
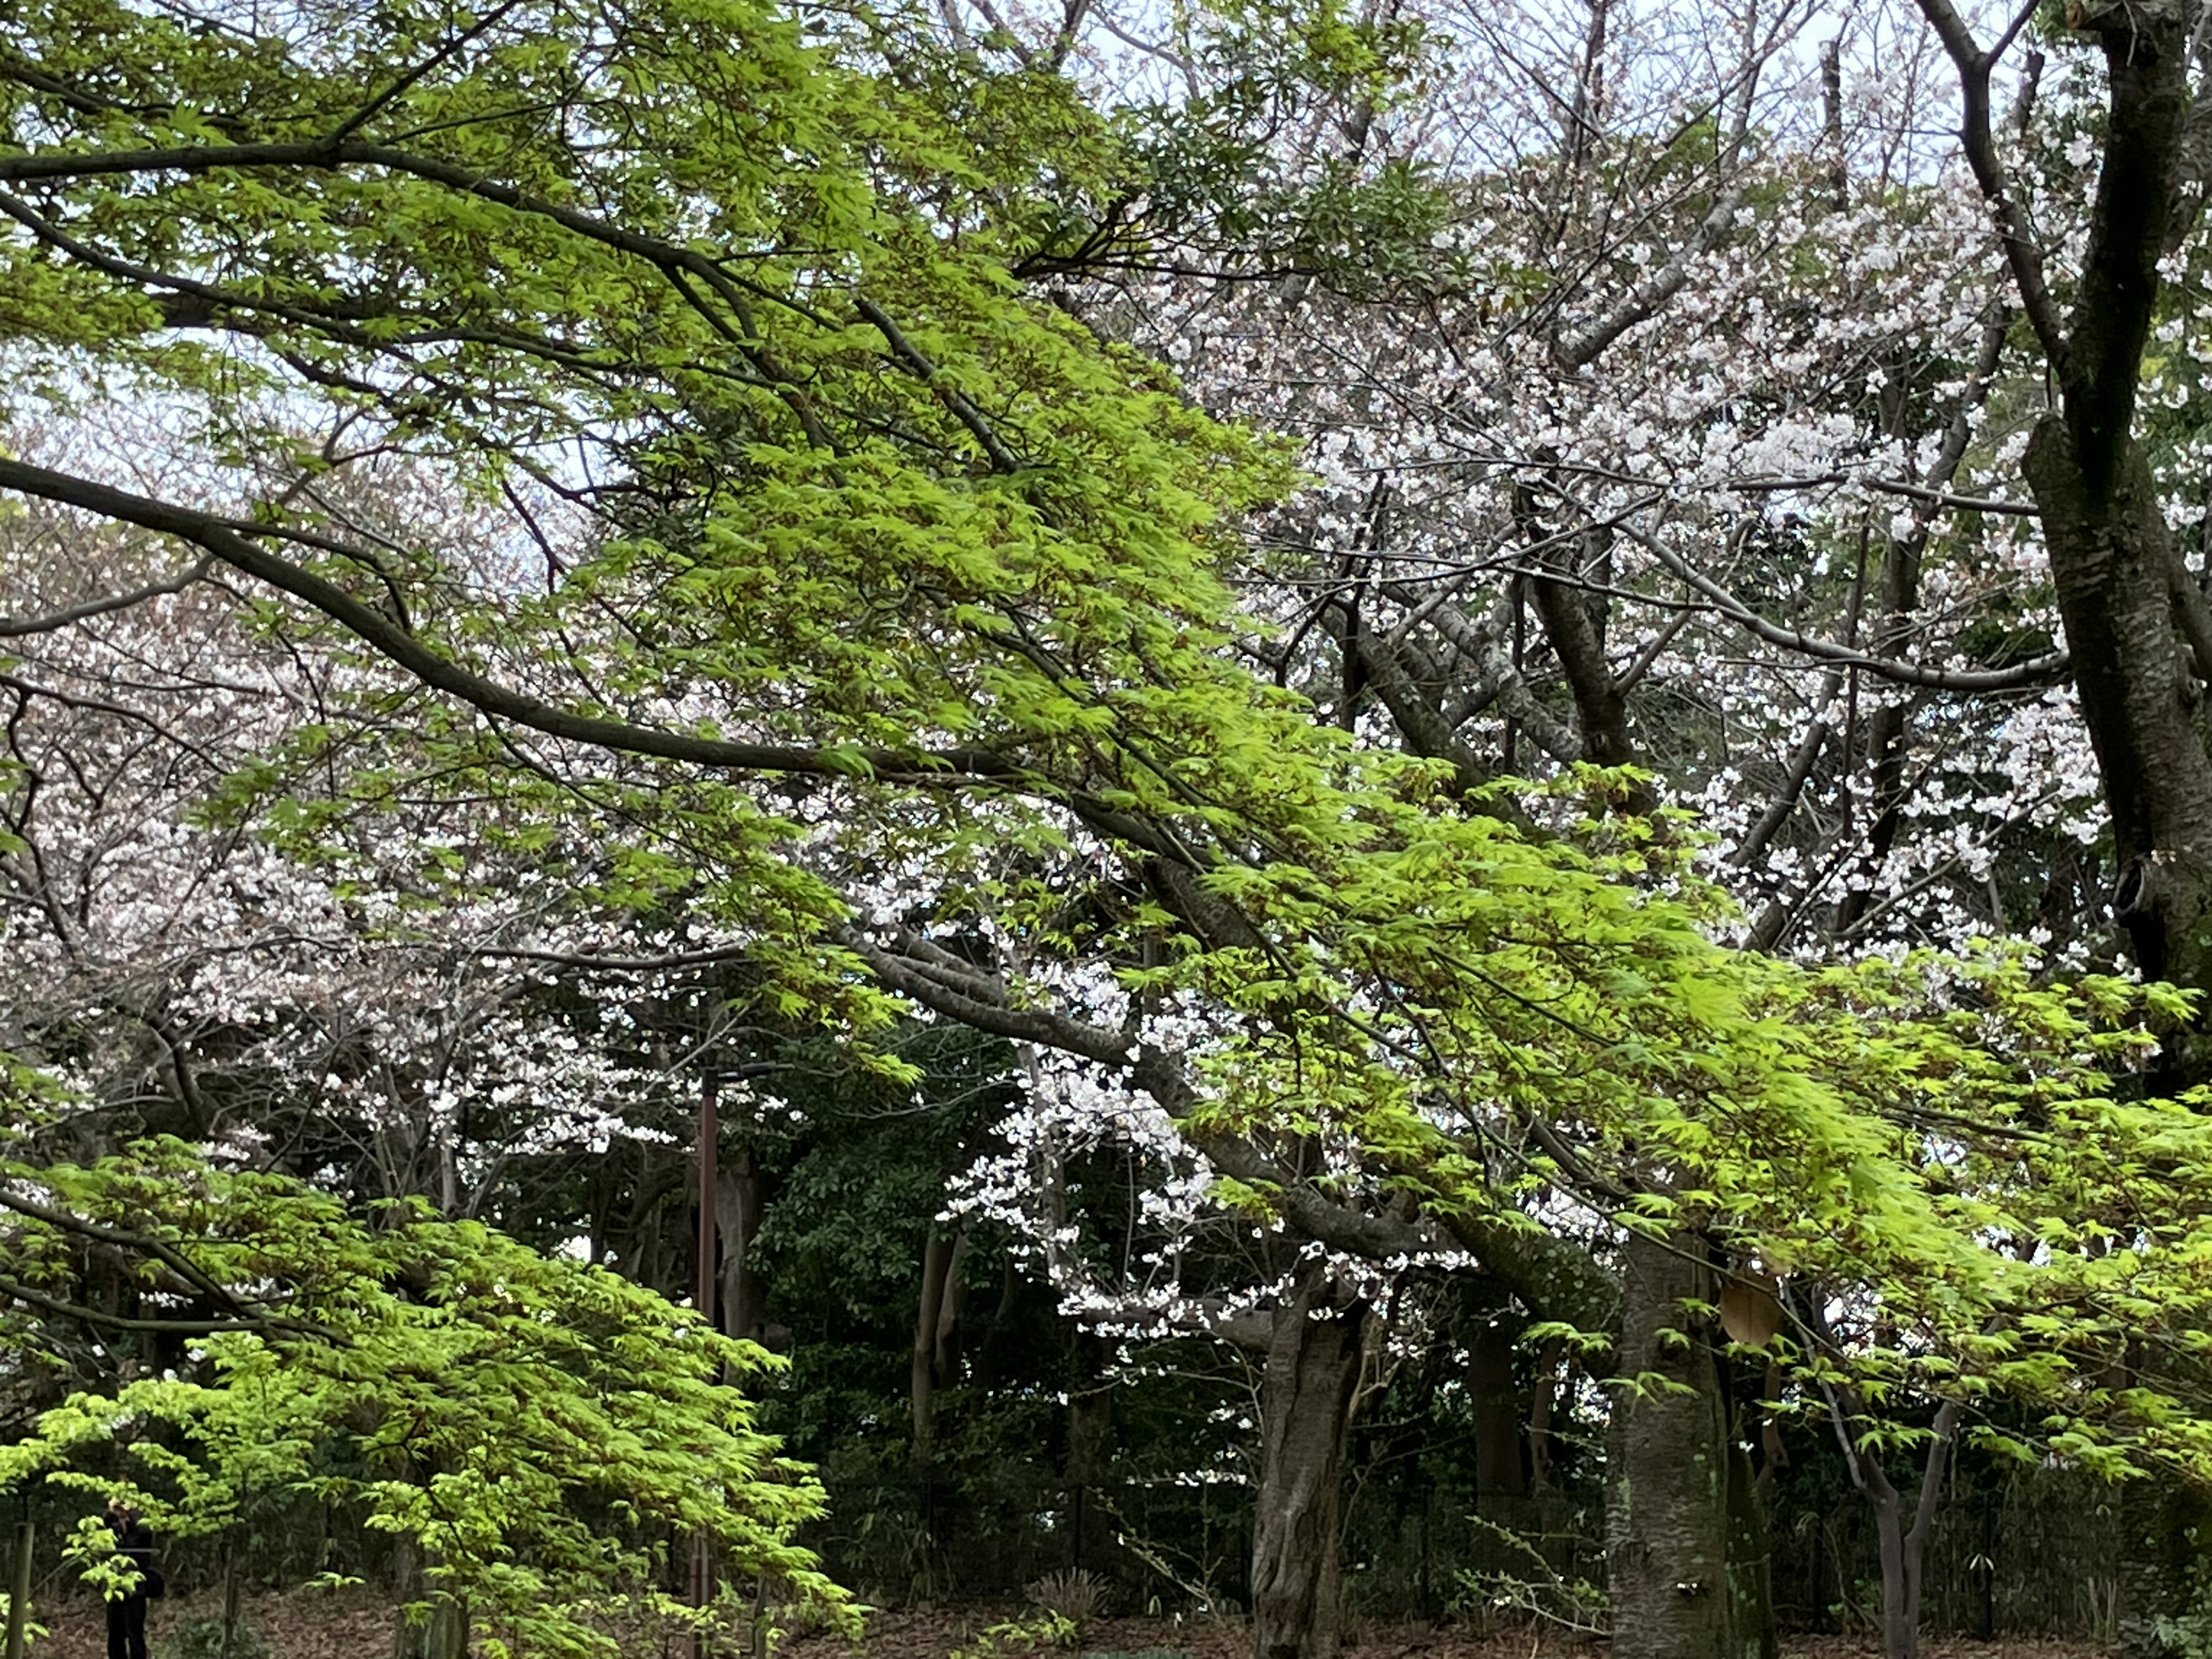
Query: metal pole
{"points": [[703, 1584]]}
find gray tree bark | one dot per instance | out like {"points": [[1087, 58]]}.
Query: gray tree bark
{"points": [[1090, 1451], [2136, 626], [1667, 1454], [19, 1589], [1752, 1631], [740, 1199], [1308, 1393], [940, 1262], [2129, 607]]}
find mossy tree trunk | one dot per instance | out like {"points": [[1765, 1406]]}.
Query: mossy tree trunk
{"points": [[1309, 1391]]}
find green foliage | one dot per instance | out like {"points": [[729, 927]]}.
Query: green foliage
{"points": [[964, 578], [1219, 187], [1531, 1587], [1015, 1636], [532, 1428], [2186, 1635], [200, 1637], [90, 1548], [879, 498], [33, 1631], [1073, 1594]]}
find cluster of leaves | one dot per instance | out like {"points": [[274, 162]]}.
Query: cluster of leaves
{"points": [[910, 617], [537, 1432]]}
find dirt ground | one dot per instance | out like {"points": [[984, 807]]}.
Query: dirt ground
{"points": [[920, 1635], [323, 1626], [305, 1627]]}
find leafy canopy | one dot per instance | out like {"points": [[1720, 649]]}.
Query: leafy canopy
{"points": [[889, 593], [534, 1428]]}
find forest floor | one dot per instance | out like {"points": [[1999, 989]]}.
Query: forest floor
{"points": [[324, 1626], [903, 1634]]}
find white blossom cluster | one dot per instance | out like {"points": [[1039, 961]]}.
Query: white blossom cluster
{"points": [[1784, 377]]}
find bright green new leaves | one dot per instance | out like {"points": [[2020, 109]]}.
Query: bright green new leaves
{"points": [[1518, 1028], [533, 1430], [903, 594], [736, 299]]}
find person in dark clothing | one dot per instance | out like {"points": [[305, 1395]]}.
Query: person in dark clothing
{"points": [[127, 1617]]}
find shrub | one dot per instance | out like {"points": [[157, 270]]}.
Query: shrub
{"points": [[200, 1637], [1071, 1593]]}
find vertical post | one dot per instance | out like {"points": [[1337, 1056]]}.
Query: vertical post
{"points": [[229, 1598], [709, 1132], [18, 1590], [1987, 1564], [702, 1566]]}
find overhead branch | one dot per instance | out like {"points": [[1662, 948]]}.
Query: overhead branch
{"points": [[1044, 1027], [1422, 725], [2116, 302], [1556, 1277], [593, 962], [1779, 809], [1481, 643], [138, 1243], [334, 152], [1003, 460], [1579, 351], [388, 639], [10, 1291], [2024, 258], [2037, 671], [1602, 708], [1162, 1076], [13, 628]]}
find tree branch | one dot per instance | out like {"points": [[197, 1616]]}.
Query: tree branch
{"points": [[1577, 351], [13, 627], [1974, 66], [30, 1298], [389, 639], [2037, 671]]}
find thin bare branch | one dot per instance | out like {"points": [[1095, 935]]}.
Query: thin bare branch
{"points": [[13, 628]]}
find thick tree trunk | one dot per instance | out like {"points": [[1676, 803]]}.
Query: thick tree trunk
{"points": [[19, 1589], [444, 1633], [740, 1196], [2114, 562], [1752, 1631], [1900, 1611], [2162, 1526], [1903, 1549], [988, 1366], [1090, 1449], [937, 1254], [2123, 593], [1307, 1394], [406, 1586], [448, 1636], [1666, 1455], [1687, 1572], [2120, 587], [1549, 1358], [1579, 643], [1498, 1471], [952, 1316]]}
